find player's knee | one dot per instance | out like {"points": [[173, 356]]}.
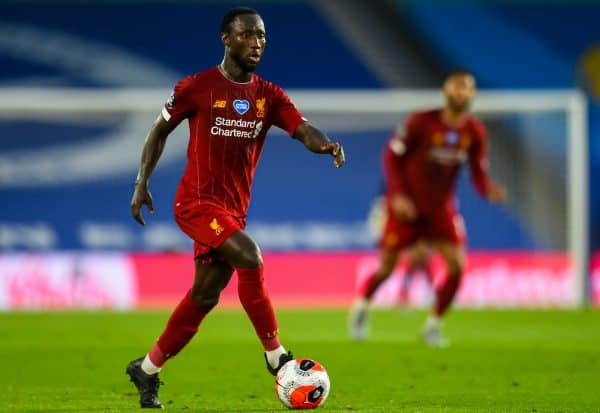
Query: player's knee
{"points": [[250, 259], [205, 300], [384, 272], [418, 261], [455, 268], [419, 256]]}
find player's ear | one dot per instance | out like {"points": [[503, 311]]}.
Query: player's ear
{"points": [[445, 87], [225, 39]]}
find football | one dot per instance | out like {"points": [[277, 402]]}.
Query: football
{"points": [[302, 383]]}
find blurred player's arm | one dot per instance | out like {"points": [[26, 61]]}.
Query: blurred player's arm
{"points": [[478, 166], [401, 145], [316, 141], [153, 148]]}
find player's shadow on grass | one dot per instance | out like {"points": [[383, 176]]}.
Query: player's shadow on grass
{"points": [[209, 409], [235, 410]]}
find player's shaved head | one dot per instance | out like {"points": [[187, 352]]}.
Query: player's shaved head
{"points": [[232, 14], [459, 88], [244, 37], [459, 72]]}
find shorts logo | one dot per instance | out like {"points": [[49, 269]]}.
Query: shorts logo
{"points": [[391, 240], [260, 108], [215, 226], [171, 101], [241, 106], [220, 104]]}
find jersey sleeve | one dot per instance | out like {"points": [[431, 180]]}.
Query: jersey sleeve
{"points": [[405, 138], [393, 171], [180, 104], [401, 144], [478, 161], [284, 113]]}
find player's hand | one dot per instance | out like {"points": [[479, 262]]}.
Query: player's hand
{"points": [[141, 196], [496, 193], [403, 207], [337, 151]]}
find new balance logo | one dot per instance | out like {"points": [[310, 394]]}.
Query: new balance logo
{"points": [[220, 104]]}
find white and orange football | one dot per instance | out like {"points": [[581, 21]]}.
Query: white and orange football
{"points": [[302, 383]]}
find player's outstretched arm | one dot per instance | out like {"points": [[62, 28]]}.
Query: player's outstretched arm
{"points": [[488, 189], [496, 193], [478, 165], [153, 147], [317, 142]]}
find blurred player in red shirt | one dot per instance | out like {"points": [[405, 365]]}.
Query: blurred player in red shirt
{"points": [[229, 110], [416, 260], [421, 163]]}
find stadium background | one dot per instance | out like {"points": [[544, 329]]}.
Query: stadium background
{"points": [[66, 236]]}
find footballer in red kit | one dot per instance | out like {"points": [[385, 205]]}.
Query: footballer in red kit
{"points": [[421, 164], [228, 124], [229, 110], [432, 154]]}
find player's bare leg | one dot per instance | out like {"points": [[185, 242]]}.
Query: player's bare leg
{"points": [[209, 280], [244, 254], [418, 257], [358, 317], [454, 258]]}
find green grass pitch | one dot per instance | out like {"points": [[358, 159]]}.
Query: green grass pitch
{"points": [[499, 361]]}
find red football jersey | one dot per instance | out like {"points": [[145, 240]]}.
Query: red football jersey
{"points": [[423, 160], [228, 124]]}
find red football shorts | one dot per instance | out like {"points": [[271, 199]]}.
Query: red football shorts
{"points": [[444, 225], [208, 226]]}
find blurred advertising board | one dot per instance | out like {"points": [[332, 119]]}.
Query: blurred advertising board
{"points": [[296, 279]]}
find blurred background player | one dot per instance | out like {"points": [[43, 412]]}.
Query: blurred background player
{"points": [[417, 264], [230, 110], [416, 259], [422, 162]]}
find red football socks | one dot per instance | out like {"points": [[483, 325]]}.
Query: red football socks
{"points": [[181, 327], [445, 294], [370, 285], [255, 300]]}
